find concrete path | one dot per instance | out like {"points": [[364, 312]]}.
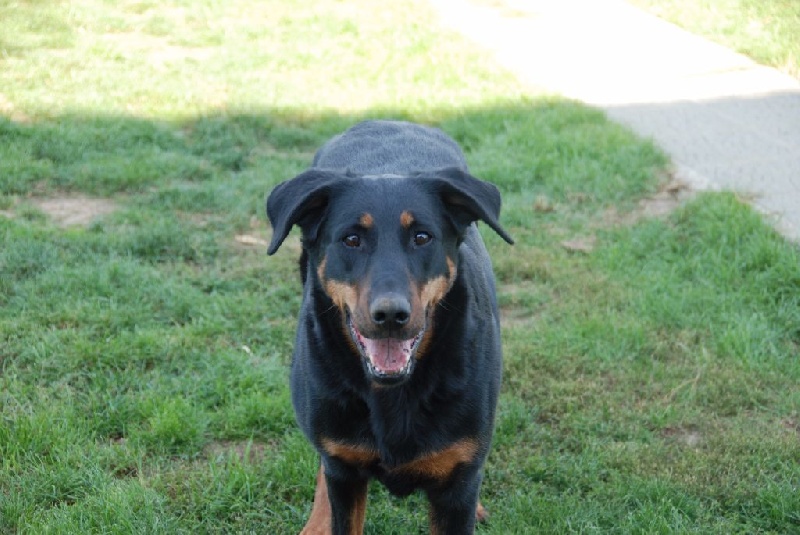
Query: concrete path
{"points": [[727, 122]]}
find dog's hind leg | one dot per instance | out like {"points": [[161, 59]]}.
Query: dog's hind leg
{"points": [[481, 514]]}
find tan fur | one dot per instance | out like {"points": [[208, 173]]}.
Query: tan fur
{"points": [[430, 295], [481, 514], [366, 221], [351, 454], [321, 268], [358, 513], [440, 464], [406, 219], [320, 522], [343, 295], [436, 465]]}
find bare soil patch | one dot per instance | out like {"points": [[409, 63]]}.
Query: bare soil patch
{"points": [[250, 452], [8, 109], [157, 50], [688, 436], [74, 211], [669, 198]]}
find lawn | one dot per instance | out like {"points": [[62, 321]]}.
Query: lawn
{"points": [[766, 30], [651, 363]]}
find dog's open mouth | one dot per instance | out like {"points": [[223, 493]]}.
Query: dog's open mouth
{"points": [[388, 360]]}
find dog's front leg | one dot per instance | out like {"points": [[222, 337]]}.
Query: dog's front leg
{"points": [[340, 504], [348, 499], [454, 509]]}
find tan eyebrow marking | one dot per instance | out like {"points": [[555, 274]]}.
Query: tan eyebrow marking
{"points": [[406, 219], [366, 221]]}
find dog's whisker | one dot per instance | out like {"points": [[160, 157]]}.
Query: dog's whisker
{"points": [[329, 309], [449, 306]]}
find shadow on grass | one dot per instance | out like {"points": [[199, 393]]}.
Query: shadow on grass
{"points": [[163, 343], [548, 146]]}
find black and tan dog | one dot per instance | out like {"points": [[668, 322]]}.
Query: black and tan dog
{"points": [[397, 362]]}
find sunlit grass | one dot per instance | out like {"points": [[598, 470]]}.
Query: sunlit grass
{"points": [[765, 30]]}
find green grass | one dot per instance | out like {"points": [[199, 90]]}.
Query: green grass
{"points": [[765, 30], [651, 383]]}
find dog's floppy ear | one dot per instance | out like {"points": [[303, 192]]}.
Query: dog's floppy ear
{"points": [[299, 201], [467, 198]]}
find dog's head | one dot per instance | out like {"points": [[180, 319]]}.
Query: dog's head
{"points": [[385, 251]]}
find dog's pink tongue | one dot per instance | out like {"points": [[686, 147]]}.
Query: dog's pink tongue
{"points": [[388, 355]]}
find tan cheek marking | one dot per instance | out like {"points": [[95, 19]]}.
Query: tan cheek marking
{"points": [[343, 295], [451, 269], [425, 343], [321, 269], [434, 290], [351, 454], [406, 219], [440, 465], [366, 221], [359, 309]]}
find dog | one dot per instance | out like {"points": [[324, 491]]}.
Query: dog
{"points": [[397, 362]]}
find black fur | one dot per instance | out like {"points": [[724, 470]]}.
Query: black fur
{"points": [[428, 427]]}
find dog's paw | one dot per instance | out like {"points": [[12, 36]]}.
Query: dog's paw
{"points": [[481, 514], [316, 529]]}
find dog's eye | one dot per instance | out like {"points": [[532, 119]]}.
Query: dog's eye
{"points": [[353, 240], [422, 238]]}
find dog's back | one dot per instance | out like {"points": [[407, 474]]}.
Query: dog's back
{"points": [[389, 147]]}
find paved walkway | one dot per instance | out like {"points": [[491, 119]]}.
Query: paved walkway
{"points": [[727, 122]]}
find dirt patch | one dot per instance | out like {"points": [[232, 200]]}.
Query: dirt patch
{"points": [[688, 436], [669, 198], [518, 314], [791, 424], [7, 108], [172, 53], [585, 244], [517, 317], [74, 211], [256, 237], [157, 50], [250, 452]]}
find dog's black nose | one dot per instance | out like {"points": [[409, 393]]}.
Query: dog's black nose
{"points": [[390, 311]]}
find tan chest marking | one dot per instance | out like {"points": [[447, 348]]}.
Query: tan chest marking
{"points": [[440, 464], [351, 454]]}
